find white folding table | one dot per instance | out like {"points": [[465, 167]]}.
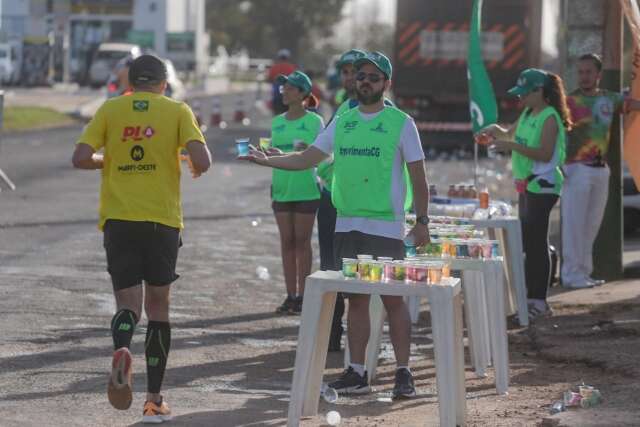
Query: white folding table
{"points": [[313, 338]]}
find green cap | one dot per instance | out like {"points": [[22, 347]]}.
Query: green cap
{"points": [[529, 80], [378, 59], [297, 79], [350, 56]]}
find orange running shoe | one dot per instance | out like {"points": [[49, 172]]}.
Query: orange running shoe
{"points": [[154, 413], [120, 383]]}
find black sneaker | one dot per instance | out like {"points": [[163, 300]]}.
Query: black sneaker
{"points": [[296, 307], [287, 306], [351, 383], [404, 387]]}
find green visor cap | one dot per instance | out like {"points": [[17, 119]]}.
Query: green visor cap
{"points": [[528, 81], [351, 56], [297, 79], [378, 59]]}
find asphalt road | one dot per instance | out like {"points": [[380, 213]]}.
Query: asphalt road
{"points": [[231, 357]]}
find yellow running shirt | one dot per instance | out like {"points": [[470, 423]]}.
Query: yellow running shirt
{"points": [[142, 135]]}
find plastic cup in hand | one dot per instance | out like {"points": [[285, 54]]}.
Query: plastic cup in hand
{"points": [[265, 144], [483, 138], [242, 146]]}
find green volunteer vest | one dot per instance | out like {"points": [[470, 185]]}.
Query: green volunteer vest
{"points": [[408, 203], [325, 172], [342, 108], [528, 133], [364, 152], [292, 186]]}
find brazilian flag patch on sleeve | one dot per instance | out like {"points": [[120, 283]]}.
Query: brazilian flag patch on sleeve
{"points": [[140, 106]]}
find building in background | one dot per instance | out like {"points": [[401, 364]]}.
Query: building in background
{"points": [[174, 29], [58, 39]]}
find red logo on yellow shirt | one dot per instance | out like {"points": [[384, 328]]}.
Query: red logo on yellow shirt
{"points": [[136, 133]]}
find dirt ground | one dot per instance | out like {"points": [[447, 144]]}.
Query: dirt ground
{"points": [[231, 356]]}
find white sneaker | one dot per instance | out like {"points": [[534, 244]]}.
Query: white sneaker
{"points": [[578, 285], [595, 282]]}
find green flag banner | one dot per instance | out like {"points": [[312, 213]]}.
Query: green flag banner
{"points": [[482, 100]]}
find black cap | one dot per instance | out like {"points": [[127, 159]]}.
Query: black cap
{"points": [[147, 69]]}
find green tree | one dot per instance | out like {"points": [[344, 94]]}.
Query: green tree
{"points": [[264, 26]]}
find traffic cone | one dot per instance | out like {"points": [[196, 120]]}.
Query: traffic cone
{"points": [[216, 112], [239, 115]]}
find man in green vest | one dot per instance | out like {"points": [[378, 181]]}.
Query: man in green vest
{"points": [[371, 145]]}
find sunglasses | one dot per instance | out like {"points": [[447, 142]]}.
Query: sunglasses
{"points": [[373, 78]]}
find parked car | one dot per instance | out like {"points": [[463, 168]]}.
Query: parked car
{"points": [[116, 84], [106, 58], [10, 62]]}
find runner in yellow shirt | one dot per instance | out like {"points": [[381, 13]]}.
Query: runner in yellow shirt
{"points": [[142, 135]]}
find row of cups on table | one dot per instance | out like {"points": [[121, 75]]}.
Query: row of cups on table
{"points": [[436, 220], [388, 270], [461, 248]]}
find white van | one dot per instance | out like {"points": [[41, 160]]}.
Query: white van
{"points": [[106, 57], [10, 62]]}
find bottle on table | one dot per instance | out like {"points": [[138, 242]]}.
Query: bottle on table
{"points": [[452, 191], [433, 192], [473, 193], [483, 210]]}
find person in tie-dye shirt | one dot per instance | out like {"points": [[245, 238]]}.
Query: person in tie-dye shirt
{"points": [[586, 185]]}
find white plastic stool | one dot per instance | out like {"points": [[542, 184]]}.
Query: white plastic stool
{"points": [[313, 339]]}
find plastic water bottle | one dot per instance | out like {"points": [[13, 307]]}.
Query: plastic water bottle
{"points": [[409, 246]]}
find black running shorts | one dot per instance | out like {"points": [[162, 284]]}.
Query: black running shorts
{"points": [[138, 251]]}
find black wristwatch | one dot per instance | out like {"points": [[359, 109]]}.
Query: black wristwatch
{"points": [[424, 220]]}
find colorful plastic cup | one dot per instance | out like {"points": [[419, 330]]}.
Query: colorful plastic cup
{"points": [[475, 249], [410, 275], [375, 271], [349, 268], [446, 269], [421, 273], [265, 143], [242, 147], [487, 249], [364, 269], [400, 271], [462, 250], [435, 273], [388, 271], [495, 249]]}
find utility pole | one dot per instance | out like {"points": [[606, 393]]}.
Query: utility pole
{"points": [[595, 26], [608, 247]]}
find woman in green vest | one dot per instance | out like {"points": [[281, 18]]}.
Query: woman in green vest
{"points": [[537, 143], [295, 194]]}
